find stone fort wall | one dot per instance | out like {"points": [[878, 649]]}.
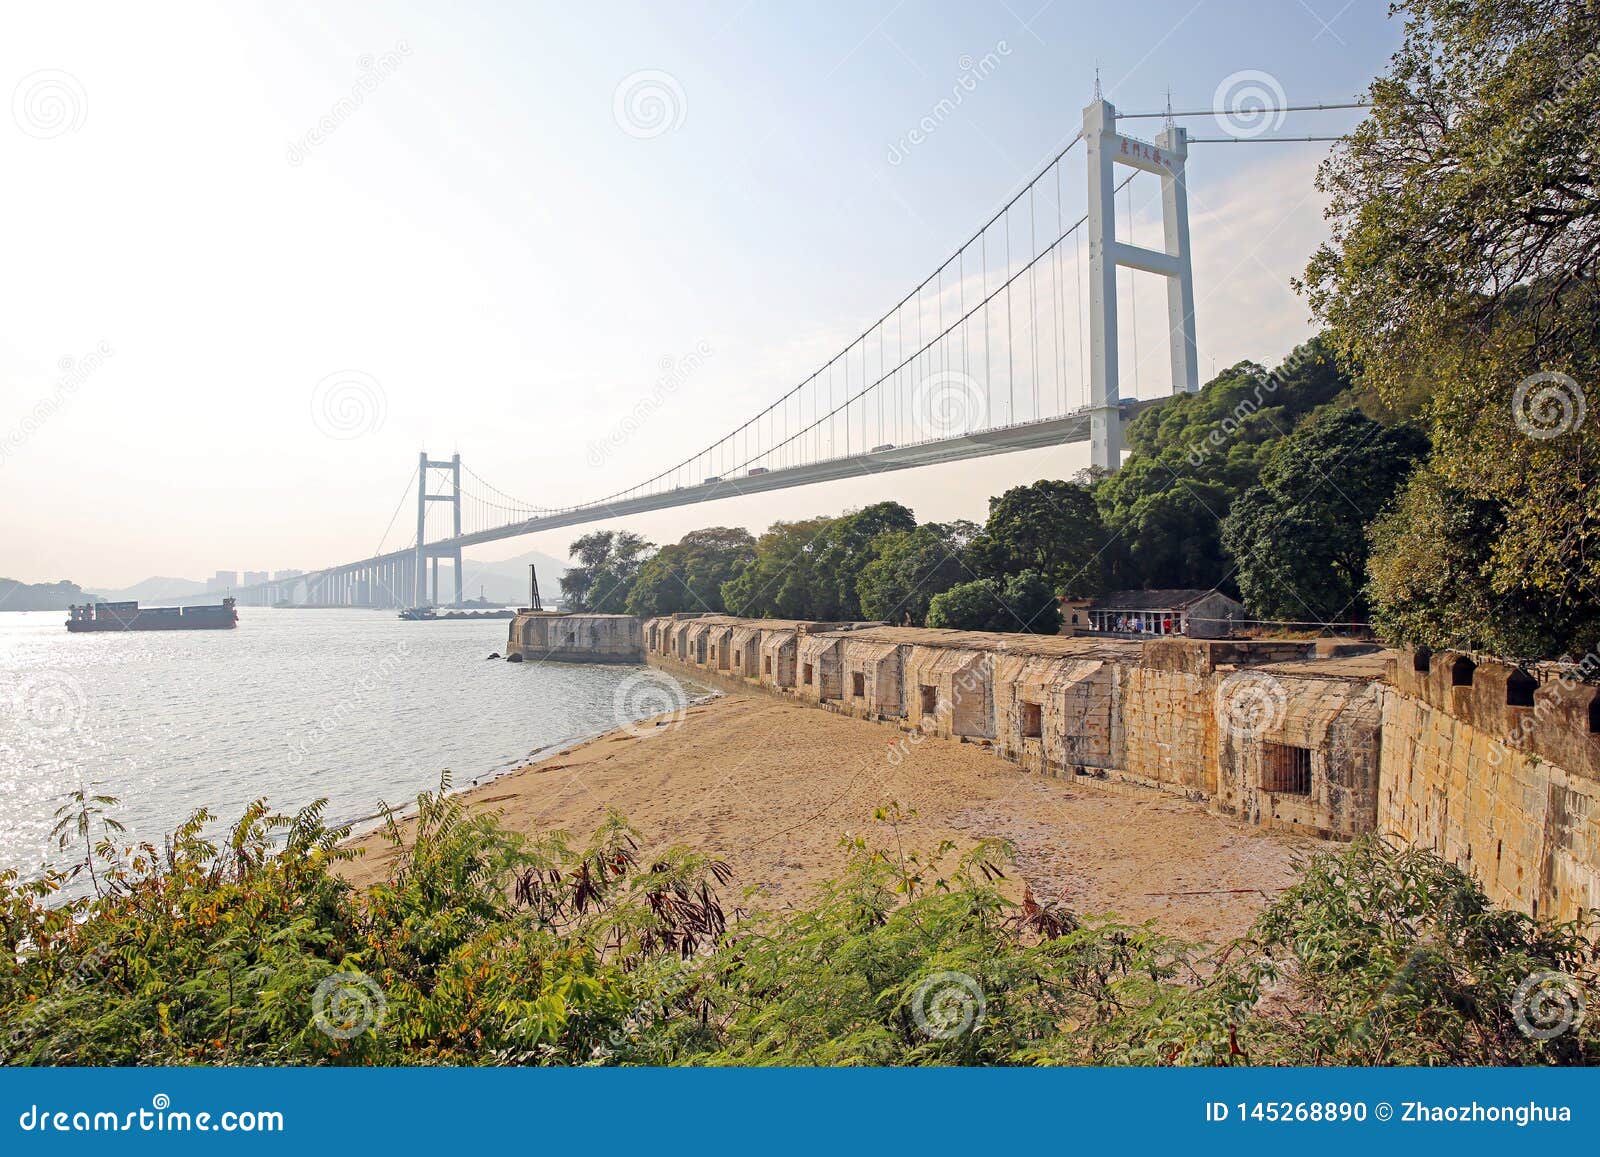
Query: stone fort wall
{"points": [[536, 636], [1495, 768], [1496, 775]]}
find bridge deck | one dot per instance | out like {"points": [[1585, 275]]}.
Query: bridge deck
{"points": [[1058, 431]]}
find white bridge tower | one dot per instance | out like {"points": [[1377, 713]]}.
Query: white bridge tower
{"points": [[1166, 158]]}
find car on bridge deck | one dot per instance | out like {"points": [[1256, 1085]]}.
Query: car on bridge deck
{"points": [[755, 472], [881, 449], [712, 479]]}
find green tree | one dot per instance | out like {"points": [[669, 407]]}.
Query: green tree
{"points": [[1300, 534], [1465, 252], [910, 567], [608, 562], [688, 575], [1050, 527], [843, 550], [782, 580], [1023, 602], [1193, 456], [1431, 574]]}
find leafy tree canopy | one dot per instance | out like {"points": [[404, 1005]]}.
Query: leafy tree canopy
{"points": [[1053, 528], [909, 568], [782, 580], [1196, 453], [1023, 602], [1465, 246], [1300, 534], [843, 550], [688, 575], [608, 561]]}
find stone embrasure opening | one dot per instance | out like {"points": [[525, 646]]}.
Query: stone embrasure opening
{"points": [[1520, 688], [1461, 672]]}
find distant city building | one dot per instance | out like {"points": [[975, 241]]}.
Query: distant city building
{"points": [[223, 580], [279, 575], [254, 577]]}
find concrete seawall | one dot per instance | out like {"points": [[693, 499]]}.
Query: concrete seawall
{"points": [[1324, 738], [537, 636]]}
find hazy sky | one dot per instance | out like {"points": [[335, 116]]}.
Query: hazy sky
{"points": [[188, 254]]}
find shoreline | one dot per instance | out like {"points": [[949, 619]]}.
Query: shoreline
{"points": [[772, 787], [365, 826]]}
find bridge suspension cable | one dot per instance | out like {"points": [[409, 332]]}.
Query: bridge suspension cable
{"points": [[984, 369], [1272, 110], [404, 495], [491, 506]]}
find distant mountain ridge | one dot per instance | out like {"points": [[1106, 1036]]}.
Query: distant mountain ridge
{"points": [[506, 582], [151, 590], [21, 596]]}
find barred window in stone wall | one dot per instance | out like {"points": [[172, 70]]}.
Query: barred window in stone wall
{"points": [[1285, 769]]}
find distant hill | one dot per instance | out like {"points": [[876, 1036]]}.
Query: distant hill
{"points": [[152, 590], [506, 581], [21, 596]]}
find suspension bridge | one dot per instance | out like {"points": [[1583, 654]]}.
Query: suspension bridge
{"points": [[1011, 344]]}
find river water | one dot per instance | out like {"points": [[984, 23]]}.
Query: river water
{"points": [[293, 705]]}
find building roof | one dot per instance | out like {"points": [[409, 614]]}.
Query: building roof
{"points": [[1163, 600]]}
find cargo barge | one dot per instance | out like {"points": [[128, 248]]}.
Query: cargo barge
{"points": [[431, 614], [131, 617]]}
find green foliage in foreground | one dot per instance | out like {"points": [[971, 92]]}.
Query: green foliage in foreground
{"points": [[484, 947]]}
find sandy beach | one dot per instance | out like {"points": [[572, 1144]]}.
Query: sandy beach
{"points": [[772, 786]]}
